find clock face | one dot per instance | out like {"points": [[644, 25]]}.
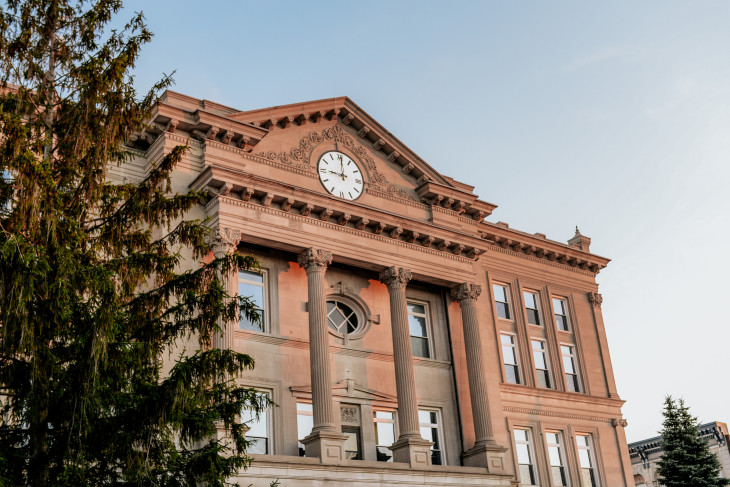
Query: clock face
{"points": [[340, 175]]}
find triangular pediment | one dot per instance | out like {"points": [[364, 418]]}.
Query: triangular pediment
{"points": [[295, 130], [350, 389]]}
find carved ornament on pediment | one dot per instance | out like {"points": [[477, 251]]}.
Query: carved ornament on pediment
{"points": [[300, 156]]}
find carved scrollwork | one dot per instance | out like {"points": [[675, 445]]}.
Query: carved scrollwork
{"points": [[466, 292], [315, 260], [596, 299], [395, 276], [223, 241]]}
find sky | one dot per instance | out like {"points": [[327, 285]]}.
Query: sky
{"points": [[613, 116]]}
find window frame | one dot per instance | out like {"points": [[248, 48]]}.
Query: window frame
{"points": [[590, 448], [562, 455], [429, 328], [550, 383], [439, 432], [516, 353], [507, 304], [578, 383], [530, 445], [393, 422], [268, 412], [566, 316], [537, 309], [266, 310], [300, 445]]}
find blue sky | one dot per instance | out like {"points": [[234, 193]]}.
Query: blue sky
{"points": [[611, 116]]}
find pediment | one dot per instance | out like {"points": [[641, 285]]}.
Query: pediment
{"points": [[296, 131], [350, 389]]}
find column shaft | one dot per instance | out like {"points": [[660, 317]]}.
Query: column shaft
{"points": [[466, 295], [405, 379], [315, 262]]}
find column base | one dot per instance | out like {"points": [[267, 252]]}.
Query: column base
{"points": [[327, 445], [486, 455], [414, 451]]}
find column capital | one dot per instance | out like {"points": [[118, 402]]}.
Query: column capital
{"points": [[395, 277], [315, 260], [466, 292], [223, 241]]}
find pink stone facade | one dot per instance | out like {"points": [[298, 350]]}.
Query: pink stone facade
{"points": [[485, 345]]}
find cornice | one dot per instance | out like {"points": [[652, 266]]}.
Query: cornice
{"points": [[551, 394], [557, 414], [443, 246]]}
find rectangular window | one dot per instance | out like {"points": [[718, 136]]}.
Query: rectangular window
{"points": [[525, 457], [418, 322], [430, 430], [257, 428], [561, 313], [554, 441], [253, 286], [305, 423], [384, 434], [587, 458], [509, 354], [500, 300], [533, 312], [352, 442], [541, 363], [571, 373]]}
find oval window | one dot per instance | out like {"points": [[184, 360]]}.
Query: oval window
{"points": [[342, 318]]}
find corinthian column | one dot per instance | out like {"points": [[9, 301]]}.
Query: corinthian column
{"points": [[223, 243], [486, 452], [324, 441], [410, 447]]}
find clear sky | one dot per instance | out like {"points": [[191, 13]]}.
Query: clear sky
{"points": [[613, 116]]}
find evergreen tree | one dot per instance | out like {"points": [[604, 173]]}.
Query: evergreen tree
{"points": [[687, 460], [93, 288]]}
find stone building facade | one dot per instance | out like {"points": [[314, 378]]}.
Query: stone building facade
{"points": [[404, 339], [646, 453]]}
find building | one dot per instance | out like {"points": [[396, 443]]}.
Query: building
{"points": [[646, 453], [405, 340]]}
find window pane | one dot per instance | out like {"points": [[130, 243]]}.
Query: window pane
{"points": [[565, 350], [520, 435], [532, 317], [585, 459], [384, 415], [523, 453], [543, 379], [509, 355], [419, 346], [558, 306], [417, 325], [568, 364], [554, 454], [512, 374], [503, 310], [246, 324], [304, 426], [530, 301], [526, 475], [384, 433], [561, 322], [257, 445], [352, 444], [573, 383], [559, 479], [251, 276], [254, 293], [416, 308], [424, 417], [507, 339], [500, 293]]}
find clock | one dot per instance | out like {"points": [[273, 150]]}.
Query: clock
{"points": [[340, 175]]}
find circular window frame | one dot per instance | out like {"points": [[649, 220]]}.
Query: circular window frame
{"points": [[361, 310]]}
